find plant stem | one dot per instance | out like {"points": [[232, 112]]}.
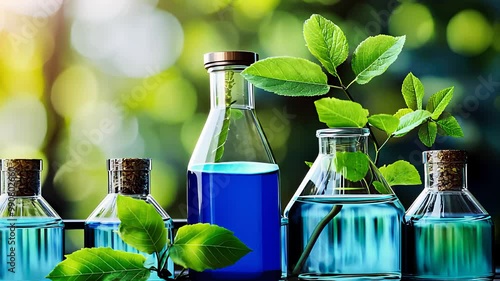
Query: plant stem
{"points": [[377, 149], [315, 235], [372, 136]]}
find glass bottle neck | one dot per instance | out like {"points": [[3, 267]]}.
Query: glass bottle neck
{"points": [[20, 182], [127, 182], [332, 144], [229, 89], [446, 176]]}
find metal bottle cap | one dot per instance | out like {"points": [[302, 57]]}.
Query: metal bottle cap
{"points": [[129, 175], [21, 177], [229, 58]]}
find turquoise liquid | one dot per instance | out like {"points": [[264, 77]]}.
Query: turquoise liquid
{"points": [[244, 198], [449, 248], [99, 234], [30, 248], [362, 242]]}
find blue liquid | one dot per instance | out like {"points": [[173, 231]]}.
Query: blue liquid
{"points": [[31, 247], [363, 241], [244, 198], [99, 234], [449, 248]]}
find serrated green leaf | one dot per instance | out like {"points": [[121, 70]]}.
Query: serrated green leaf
{"points": [[410, 121], [352, 165], [341, 113], [101, 264], [374, 55], [140, 225], [413, 91], [205, 246], [449, 125], [326, 42], [427, 133], [402, 112], [309, 164], [288, 76], [400, 173], [438, 102], [384, 122], [381, 188]]}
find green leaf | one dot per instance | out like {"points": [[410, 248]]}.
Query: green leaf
{"points": [[438, 102], [402, 112], [374, 55], [400, 173], [449, 125], [141, 226], [427, 133], [381, 188], [309, 164], [205, 246], [413, 91], [352, 165], [341, 113], [228, 88], [101, 264], [288, 76], [384, 122], [326, 42], [410, 121]]}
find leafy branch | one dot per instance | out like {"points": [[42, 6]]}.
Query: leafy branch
{"points": [[144, 229], [295, 77]]}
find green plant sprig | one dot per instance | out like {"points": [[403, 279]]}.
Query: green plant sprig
{"points": [[296, 77], [144, 229], [291, 76]]}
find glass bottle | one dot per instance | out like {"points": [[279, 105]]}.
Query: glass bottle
{"points": [[233, 180], [447, 233], [31, 232], [340, 228], [128, 177]]}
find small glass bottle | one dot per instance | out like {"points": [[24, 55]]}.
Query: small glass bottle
{"points": [[128, 177], [233, 180], [31, 232], [341, 229], [447, 233]]}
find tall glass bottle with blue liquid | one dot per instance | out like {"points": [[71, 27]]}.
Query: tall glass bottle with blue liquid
{"points": [[31, 232], [344, 223], [232, 176], [447, 233], [128, 177]]}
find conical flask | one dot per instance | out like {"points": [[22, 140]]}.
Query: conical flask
{"points": [[127, 177], [232, 176], [447, 233], [340, 228], [31, 232]]}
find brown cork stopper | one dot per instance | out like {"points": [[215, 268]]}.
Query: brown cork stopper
{"points": [[129, 175], [21, 177], [445, 168]]}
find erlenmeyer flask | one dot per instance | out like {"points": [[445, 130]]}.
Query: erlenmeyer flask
{"points": [[447, 233], [232, 176], [340, 228]]}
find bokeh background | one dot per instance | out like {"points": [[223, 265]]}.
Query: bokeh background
{"points": [[86, 80]]}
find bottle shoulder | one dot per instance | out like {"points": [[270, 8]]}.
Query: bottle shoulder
{"points": [[446, 204], [26, 207]]}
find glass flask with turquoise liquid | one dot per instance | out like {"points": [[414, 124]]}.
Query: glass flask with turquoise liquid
{"points": [[344, 221], [447, 233], [128, 177], [232, 178], [31, 232]]}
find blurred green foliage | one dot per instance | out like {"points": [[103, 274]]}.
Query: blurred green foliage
{"points": [[89, 80]]}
